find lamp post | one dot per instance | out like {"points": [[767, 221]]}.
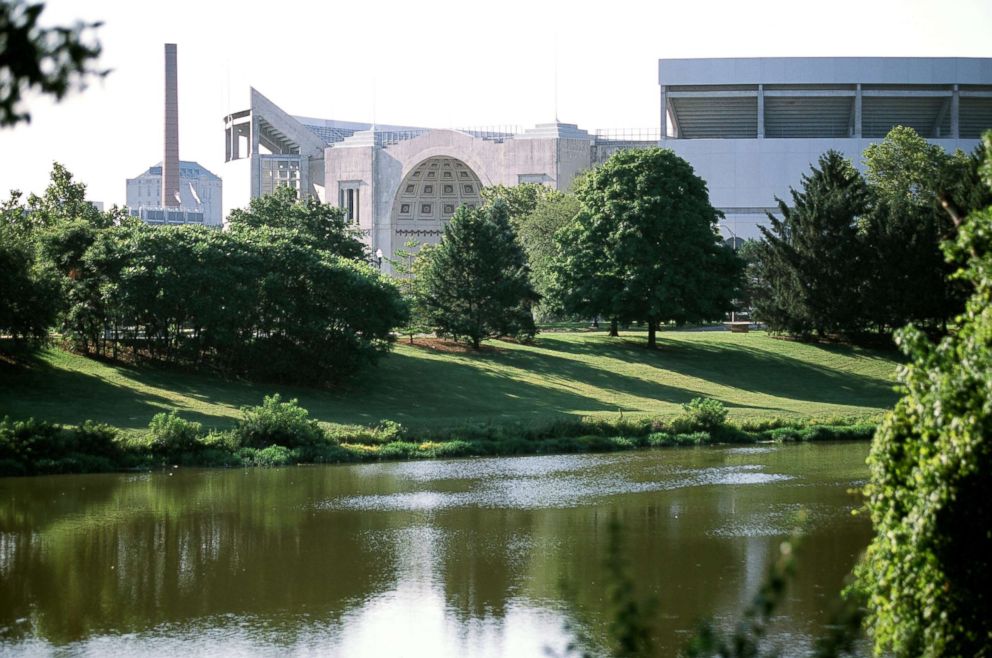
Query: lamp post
{"points": [[736, 239], [378, 259]]}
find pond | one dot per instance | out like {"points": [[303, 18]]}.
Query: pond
{"points": [[474, 557]]}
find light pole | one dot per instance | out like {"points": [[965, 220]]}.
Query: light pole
{"points": [[378, 259]]}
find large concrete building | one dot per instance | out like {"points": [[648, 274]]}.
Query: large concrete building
{"points": [[750, 127]]}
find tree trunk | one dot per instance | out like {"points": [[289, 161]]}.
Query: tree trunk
{"points": [[614, 330], [652, 331]]}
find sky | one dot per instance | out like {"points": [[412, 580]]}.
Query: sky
{"points": [[440, 64]]}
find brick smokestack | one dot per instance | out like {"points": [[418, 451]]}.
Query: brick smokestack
{"points": [[170, 161]]}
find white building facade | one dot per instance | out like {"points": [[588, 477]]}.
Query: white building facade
{"points": [[751, 127], [200, 197]]}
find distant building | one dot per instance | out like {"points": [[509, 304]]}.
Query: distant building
{"points": [[200, 197], [750, 127], [175, 191]]}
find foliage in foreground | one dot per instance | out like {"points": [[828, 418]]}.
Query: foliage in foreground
{"points": [[278, 433], [632, 615], [50, 60], [927, 574]]}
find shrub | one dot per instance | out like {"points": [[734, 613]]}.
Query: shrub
{"points": [[96, 439], [26, 441], [274, 455], [700, 414], [169, 434], [277, 423]]}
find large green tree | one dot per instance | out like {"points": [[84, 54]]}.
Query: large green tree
{"points": [[645, 245], [927, 573], [320, 224], [810, 267], [475, 284]]}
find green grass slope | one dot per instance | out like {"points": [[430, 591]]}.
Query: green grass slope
{"points": [[583, 374]]}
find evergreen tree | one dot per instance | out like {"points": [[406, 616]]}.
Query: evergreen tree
{"points": [[475, 284], [810, 267]]}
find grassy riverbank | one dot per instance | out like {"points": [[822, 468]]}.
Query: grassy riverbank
{"points": [[564, 375], [567, 392]]}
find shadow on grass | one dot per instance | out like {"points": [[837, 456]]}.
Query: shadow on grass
{"points": [[33, 387], [748, 368]]}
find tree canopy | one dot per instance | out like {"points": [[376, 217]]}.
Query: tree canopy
{"points": [[644, 246], [536, 231], [320, 224]]}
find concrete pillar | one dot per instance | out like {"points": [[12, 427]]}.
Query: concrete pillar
{"points": [[956, 113], [761, 111], [664, 112], [170, 160], [857, 112]]}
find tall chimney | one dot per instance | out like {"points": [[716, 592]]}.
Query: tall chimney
{"points": [[170, 161]]}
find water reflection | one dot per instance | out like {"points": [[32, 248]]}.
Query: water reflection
{"points": [[429, 558]]}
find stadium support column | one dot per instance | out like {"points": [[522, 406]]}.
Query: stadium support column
{"points": [[170, 159], [956, 113], [664, 112], [857, 111], [761, 111]]}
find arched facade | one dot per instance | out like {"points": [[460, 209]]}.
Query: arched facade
{"points": [[429, 195], [402, 188]]}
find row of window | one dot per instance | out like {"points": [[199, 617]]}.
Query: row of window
{"points": [[445, 189], [428, 209]]}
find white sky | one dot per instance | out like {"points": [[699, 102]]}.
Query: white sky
{"points": [[438, 64]]}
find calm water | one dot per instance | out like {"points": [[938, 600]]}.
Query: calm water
{"points": [[448, 558]]}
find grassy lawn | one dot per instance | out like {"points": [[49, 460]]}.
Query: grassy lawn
{"points": [[585, 374]]}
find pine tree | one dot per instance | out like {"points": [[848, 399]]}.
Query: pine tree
{"points": [[810, 266], [475, 284]]}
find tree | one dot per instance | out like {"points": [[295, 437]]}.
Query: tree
{"points": [[810, 266], [52, 60], [927, 574], [909, 277], [475, 284], [536, 232], [645, 245], [28, 290], [520, 200], [320, 224]]}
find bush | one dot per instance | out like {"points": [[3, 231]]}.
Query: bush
{"points": [[277, 423], [96, 439], [27, 441], [703, 414], [171, 435]]}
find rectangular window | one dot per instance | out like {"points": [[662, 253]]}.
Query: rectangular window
{"points": [[348, 200]]}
